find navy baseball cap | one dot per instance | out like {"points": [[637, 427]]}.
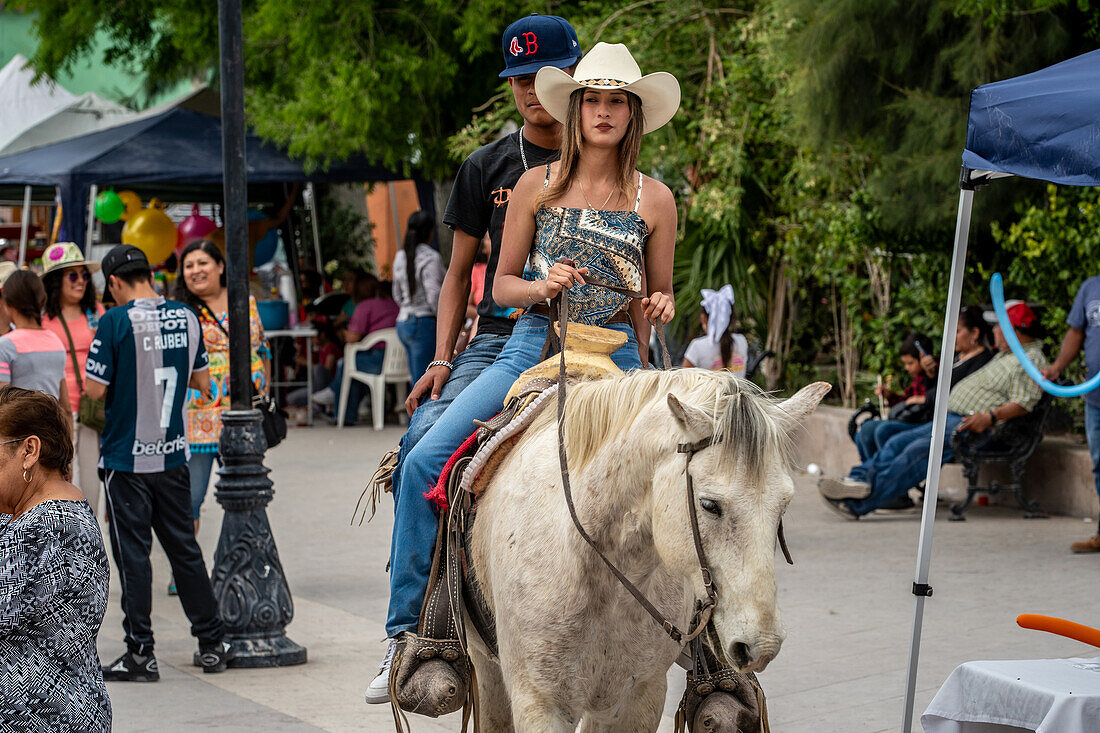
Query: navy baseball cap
{"points": [[536, 41]]}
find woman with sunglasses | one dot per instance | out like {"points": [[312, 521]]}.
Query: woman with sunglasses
{"points": [[53, 589], [72, 314]]}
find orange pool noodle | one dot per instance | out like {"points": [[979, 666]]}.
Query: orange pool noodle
{"points": [[1068, 629]]}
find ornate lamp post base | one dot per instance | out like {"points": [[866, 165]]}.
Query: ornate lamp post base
{"points": [[252, 593]]}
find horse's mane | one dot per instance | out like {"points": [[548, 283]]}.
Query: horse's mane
{"points": [[749, 426]]}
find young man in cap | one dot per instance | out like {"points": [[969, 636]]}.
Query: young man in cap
{"points": [[145, 354], [1001, 390], [1084, 331], [479, 202]]}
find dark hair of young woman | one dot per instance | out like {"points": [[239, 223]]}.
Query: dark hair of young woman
{"points": [[418, 231], [52, 282], [24, 294]]}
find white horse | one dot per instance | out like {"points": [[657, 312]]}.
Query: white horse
{"points": [[575, 648]]}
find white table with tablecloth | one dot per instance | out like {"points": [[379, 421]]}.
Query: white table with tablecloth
{"points": [[1042, 695]]}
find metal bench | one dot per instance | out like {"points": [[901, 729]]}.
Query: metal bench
{"points": [[1011, 442]]}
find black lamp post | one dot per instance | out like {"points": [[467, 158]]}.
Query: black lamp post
{"points": [[252, 593]]}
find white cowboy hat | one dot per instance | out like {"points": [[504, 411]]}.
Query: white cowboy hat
{"points": [[610, 66]]}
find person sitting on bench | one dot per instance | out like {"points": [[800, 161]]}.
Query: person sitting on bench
{"points": [[1000, 390]]}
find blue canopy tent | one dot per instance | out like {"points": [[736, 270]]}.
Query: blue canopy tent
{"points": [[178, 146], [1046, 126]]}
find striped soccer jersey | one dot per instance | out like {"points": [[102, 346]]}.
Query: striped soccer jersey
{"points": [[145, 352]]}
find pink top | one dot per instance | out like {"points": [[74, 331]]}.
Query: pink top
{"points": [[32, 358], [373, 314], [83, 331]]}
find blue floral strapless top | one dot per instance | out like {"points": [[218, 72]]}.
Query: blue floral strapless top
{"points": [[611, 244]]}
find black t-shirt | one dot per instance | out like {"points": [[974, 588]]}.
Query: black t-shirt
{"points": [[479, 202]]}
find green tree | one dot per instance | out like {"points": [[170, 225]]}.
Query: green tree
{"points": [[389, 79]]}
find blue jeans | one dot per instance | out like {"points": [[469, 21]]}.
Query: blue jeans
{"points": [[873, 434], [478, 355], [201, 465], [901, 464], [879, 433], [1092, 432], [417, 334], [415, 521], [365, 361]]}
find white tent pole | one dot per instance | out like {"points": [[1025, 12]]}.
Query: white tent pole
{"points": [[939, 427], [91, 218], [24, 225], [312, 201]]}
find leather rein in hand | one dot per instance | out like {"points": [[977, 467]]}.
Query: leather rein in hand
{"points": [[559, 308]]}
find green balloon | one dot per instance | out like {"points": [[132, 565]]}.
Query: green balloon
{"points": [[109, 207]]}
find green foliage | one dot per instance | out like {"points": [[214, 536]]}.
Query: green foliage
{"points": [[346, 239], [1053, 246]]}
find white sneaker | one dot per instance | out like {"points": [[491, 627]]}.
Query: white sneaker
{"points": [[378, 692], [324, 398]]}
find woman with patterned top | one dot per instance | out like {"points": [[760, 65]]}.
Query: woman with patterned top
{"points": [[72, 313], [53, 576], [201, 285], [592, 212]]}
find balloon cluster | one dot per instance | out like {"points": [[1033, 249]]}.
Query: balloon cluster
{"points": [[153, 232]]}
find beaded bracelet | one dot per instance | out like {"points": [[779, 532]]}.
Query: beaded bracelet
{"points": [[442, 362]]}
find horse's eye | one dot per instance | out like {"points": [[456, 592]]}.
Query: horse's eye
{"points": [[709, 505]]}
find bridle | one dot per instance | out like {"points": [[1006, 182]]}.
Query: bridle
{"points": [[559, 309]]}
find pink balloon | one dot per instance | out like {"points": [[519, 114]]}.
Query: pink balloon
{"points": [[195, 226]]}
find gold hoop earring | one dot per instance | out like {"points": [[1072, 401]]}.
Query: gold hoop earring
{"points": [[26, 475]]}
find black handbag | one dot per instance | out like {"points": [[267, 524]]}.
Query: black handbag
{"points": [[274, 417]]}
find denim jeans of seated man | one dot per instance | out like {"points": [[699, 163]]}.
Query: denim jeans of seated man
{"points": [[873, 434], [365, 361], [902, 464], [415, 520], [478, 355], [1092, 432]]}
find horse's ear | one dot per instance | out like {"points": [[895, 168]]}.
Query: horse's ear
{"points": [[802, 404], [694, 420]]}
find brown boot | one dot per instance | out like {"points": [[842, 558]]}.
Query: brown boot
{"points": [[1092, 544]]}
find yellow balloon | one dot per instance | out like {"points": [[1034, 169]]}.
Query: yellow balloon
{"points": [[151, 231], [131, 201]]}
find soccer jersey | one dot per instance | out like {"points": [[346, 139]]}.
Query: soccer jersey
{"points": [[145, 352]]}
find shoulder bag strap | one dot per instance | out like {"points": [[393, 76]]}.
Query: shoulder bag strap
{"points": [[72, 353], [206, 309]]}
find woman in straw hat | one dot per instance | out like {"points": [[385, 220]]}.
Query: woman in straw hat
{"points": [[592, 208], [72, 313]]}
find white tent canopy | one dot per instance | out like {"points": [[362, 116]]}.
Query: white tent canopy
{"points": [[23, 103], [87, 113]]}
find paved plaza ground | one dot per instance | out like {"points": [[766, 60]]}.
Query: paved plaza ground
{"points": [[846, 604]]}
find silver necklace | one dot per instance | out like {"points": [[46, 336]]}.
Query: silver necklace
{"points": [[522, 152]]}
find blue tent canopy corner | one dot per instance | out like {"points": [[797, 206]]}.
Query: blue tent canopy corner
{"points": [[1043, 125], [179, 146], [1046, 126]]}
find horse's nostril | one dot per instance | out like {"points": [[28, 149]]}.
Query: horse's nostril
{"points": [[739, 650]]}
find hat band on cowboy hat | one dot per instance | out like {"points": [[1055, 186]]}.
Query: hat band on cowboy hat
{"points": [[611, 67]]}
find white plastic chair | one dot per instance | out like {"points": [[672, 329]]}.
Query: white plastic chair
{"points": [[395, 370]]}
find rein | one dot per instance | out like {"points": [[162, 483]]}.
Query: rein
{"points": [[703, 610], [559, 309]]}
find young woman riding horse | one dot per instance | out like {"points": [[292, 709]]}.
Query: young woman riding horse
{"points": [[593, 209]]}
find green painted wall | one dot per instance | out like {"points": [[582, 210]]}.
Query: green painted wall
{"points": [[111, 82]]}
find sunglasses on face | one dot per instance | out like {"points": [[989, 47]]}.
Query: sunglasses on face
{"points": [[75, 276]]}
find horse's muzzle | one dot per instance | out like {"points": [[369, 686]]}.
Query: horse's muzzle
{"points": [[753, 657]]}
